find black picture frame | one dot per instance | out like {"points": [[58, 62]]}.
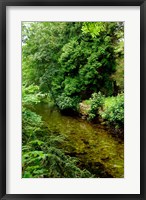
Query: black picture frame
{"points": [[3, 182]]}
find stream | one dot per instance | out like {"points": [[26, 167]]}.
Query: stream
{"points": [[93, 144]]}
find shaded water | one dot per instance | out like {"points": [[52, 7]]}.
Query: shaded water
{"points": [[93, 144]]}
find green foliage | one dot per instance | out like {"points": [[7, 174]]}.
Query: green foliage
{"points": [[31, 95], [41, 51], [94, 29], [70, 59], [117, 38], [88, 63], [110, 109], [96, 101], [113, 110], [41, 160], [65, 102], [31, 124], [87, 101], [118, 76]]}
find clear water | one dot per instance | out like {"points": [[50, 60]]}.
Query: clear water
{"points": [[93, 144]]}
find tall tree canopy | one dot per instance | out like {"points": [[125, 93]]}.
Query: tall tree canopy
{"points": [[72, 60]]}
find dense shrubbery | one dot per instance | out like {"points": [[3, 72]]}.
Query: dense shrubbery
{"points": [[65, 102], [110, 109], [31, 123], [41, 158], [96, 101], [113, 110]]}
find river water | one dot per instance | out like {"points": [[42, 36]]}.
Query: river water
{"points": [[93, 144]]}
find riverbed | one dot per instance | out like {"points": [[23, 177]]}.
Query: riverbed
{"points": [[93, 144]]}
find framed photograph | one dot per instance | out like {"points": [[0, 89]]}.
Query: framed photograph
{"points": [[72, 99]]}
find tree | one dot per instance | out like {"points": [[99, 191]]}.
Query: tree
{"points": [[72, 60]]}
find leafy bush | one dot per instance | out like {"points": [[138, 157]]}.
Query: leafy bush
{"points": [[113, 110], [65, 102], [41, 160], [96, 102], [31, 124], [31, 95]]}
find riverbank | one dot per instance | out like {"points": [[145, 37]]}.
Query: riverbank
{"points": [[95, 114]]}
